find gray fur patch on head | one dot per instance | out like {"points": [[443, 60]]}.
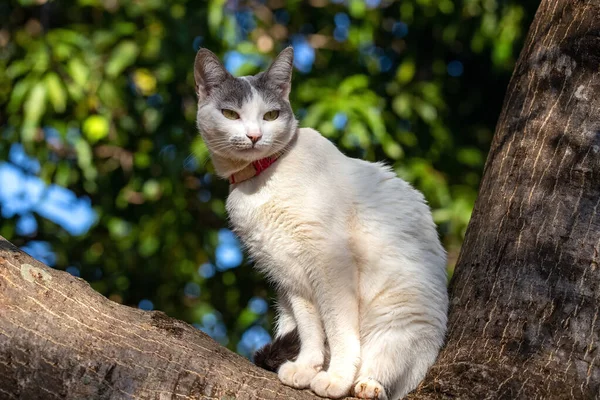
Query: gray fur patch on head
{"points": [[214, 82], [231, 93]]}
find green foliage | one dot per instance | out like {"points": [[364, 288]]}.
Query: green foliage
{"points": [[115, 80]]}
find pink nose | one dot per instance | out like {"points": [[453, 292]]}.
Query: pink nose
{"points": [[254, 137]]}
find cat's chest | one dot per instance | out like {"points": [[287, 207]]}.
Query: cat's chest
{"points": [[261, 219], [273, 229]]}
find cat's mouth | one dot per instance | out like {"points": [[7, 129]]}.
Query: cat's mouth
{"points": [[251, 152], [250, 147]]}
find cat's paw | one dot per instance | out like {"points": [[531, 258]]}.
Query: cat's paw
{"points": [[368, 388], [331, 385], [297, 374]]}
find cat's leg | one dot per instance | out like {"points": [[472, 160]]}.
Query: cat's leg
{"points": [[335, 291], [299, 373], [394, 361], [381, 365], [285, 321]]}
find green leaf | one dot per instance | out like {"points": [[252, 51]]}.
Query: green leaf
{"points": [[352, 84], [376, 124], [151, 189], [34, 108], [314, 114], [142, 160], [69, 36], [62, 175], [95, 128], [18, 68], [357, 136], [215, 14], [246, 318], [84, 159], [470, 156], [78, 71], [357, 8], [56, 92], [109, 95], [406, 71], [148, 245], [402, 105], [426, 111], [18, 94], [121, 57], [118, 227], [391, 148], [125, 28], [327, 129]]}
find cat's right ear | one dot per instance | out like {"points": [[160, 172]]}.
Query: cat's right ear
{"points": [[208, 73], [279, 74]]}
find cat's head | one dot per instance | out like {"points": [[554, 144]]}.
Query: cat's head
{"points": [[248, 118]]}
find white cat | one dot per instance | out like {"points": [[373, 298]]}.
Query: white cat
{"points": [[352, 249]]}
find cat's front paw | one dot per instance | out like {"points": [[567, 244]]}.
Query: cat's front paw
{"points": [[297, 374], [331, 385], [368, 388]]}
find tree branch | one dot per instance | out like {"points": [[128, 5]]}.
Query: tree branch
{"points": [[61, 339]]}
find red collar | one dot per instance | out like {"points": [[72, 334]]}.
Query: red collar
{"points": [[253, 169]]}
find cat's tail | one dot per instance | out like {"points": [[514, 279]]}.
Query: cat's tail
{"points": [[280, 350]]}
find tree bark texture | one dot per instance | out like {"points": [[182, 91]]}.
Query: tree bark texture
{"points": [[524, 320], [59, 339]]}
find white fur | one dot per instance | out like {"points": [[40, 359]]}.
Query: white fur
{"points": [[352, 249], [356, 259]]}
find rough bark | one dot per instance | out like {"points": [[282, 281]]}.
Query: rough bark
{"points": [[525, 295], [59, 339], [525, 321]]}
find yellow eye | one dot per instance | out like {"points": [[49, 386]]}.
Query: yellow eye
{"points": [[230, 114], [271, 115]]}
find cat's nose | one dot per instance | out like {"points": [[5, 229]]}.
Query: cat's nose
{"points": [[254, 136]]}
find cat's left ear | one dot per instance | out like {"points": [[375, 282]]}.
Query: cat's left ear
{"points": [[209, 73], [279, 74]]}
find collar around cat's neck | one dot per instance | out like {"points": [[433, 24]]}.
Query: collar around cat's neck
{"points": [[254, 169]]}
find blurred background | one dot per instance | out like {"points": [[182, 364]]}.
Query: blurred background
{"points": [[102, 173]]}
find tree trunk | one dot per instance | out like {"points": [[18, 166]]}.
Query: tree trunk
{"points": [[525, 295], [525, 321]]}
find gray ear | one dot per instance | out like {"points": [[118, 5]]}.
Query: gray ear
{"points": [[279, 74], [208, 73]]}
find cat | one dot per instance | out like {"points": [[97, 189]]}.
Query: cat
{"points": [[352, 250]]}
